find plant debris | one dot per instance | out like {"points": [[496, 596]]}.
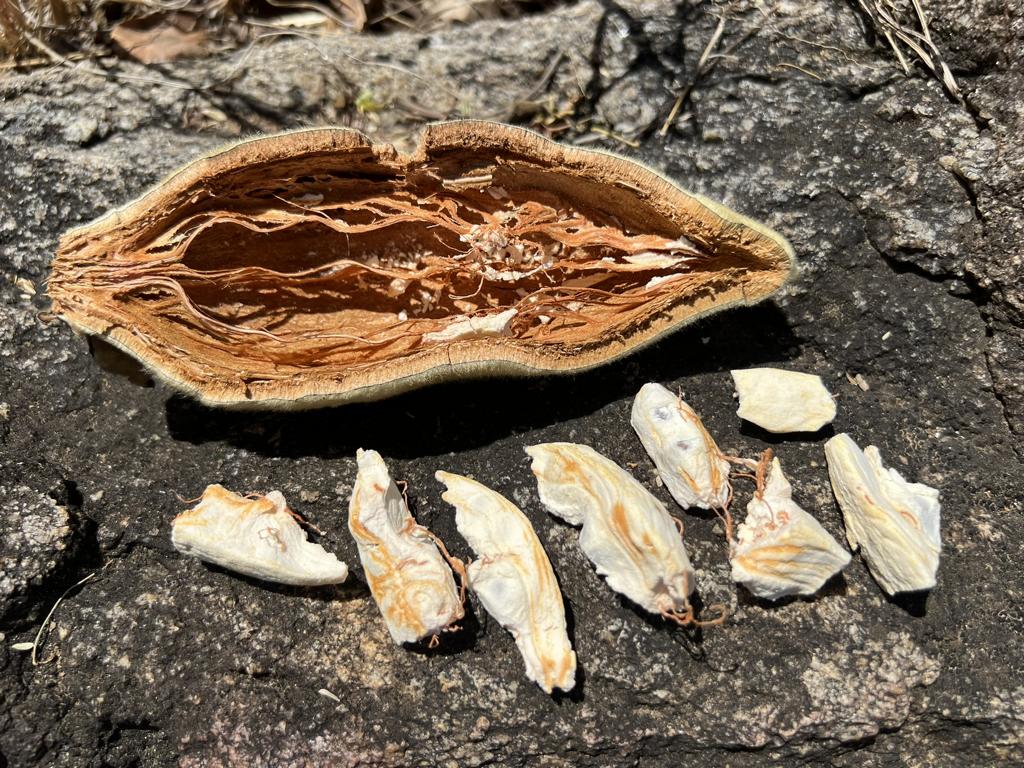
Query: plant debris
{"points": [[155, 40]]}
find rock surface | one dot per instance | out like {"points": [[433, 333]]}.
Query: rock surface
{"points": [[903, 206], [35, 537]]}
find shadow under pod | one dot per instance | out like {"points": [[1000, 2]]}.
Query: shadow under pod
{"points": [[352, 588], [747, 429], [914, 603], [467, 414], [835, 586], [576, 694]]}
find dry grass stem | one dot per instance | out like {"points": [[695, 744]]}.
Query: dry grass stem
{"points": [[898, 25], [710, 56], [44, 627]]}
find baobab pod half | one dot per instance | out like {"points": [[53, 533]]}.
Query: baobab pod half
{"points": [[314, 267]]}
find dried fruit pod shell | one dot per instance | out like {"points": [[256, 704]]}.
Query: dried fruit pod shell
{"points": [[315, 267]]}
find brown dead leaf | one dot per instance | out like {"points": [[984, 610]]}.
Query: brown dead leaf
{"points": [[158, 39]]}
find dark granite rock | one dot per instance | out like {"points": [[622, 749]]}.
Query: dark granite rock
{"points": [[35, 537], [903, 206]]}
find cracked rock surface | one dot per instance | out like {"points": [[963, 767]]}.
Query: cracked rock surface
{"points": [[903, 207]]}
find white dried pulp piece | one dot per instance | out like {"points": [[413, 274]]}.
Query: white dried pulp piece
{"points": [[513, 579], [783, 401], [627, 533], [474, 327], [688, 461], [257, 537], [895, 523], [408, 578], [780, 549]]}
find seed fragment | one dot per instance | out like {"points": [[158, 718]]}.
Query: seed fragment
{"points": [[780, 549], [408, 577], [895, 523], [514, 580], [255, 536], [783, 401], [687, 458], [626, 532]]}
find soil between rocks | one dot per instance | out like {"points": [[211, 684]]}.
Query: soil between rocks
{"points": [[903, 207]]}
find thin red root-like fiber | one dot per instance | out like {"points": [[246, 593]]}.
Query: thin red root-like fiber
{"points": [[456, 564], [686, 618]]}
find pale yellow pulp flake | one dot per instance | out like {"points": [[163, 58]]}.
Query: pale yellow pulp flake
{"points": [[627, 533], [780, 549], [408, 577], [783, 401], [514, 580], [895, 523], [257, 537]]}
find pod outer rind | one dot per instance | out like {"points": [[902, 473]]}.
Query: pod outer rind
{"points": [[724, 233]]}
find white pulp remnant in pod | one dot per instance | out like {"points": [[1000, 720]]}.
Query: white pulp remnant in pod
{"points": [[783, 401], [895, 523], [412, 584], [627, 533], [780, 549], [257, 537], [472, 327], [514, 580], [686, 456]]}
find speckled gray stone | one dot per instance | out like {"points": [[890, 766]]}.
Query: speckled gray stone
{"points": [[35, 534], [902, 206]]}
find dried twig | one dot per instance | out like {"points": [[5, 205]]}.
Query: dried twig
{"points": [[85, 69]]}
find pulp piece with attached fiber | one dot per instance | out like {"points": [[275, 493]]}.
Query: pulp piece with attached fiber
{"points": [[895, 523], [627, 533], [408, 577], [688, 460], [315, 267], [783, 401], [780, 549], [514, 580], [255, 536]]}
